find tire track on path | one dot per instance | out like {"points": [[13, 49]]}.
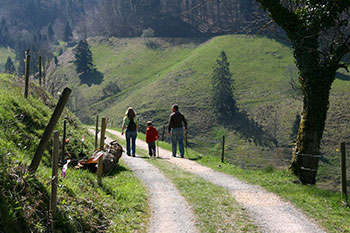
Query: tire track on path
{"points": [[269, 212], [170, 212]]}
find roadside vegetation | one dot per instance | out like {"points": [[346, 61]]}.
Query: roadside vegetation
{"points": [[118, 205], [328, 208]]}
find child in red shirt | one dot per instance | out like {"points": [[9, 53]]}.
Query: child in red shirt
{"points": [[151, 138]]}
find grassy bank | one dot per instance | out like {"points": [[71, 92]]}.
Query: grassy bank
{"points": [[118, 205]]}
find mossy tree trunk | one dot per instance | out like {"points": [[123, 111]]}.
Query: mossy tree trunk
{"points": [[315, 106], [320, 40], [315, 84]]}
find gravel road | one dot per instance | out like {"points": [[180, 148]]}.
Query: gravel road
{"points": [[170, 213], [268, 211]]}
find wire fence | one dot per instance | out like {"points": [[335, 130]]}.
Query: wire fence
{"points": [[329, 169]]}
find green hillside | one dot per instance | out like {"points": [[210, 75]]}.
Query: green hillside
{"points": [[118, 205], [151, 74]]}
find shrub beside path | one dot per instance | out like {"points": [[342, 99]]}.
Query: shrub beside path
{"points": [[269, 212], [170, 212]]}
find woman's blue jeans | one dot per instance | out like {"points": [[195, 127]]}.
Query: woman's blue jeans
{"points": [[177, 136], [130, 137]]}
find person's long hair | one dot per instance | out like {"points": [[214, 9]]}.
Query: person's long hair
{"points": [[130, 113]]}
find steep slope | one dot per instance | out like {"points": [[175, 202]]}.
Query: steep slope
{"points": [[151, 74], [83, 205]]}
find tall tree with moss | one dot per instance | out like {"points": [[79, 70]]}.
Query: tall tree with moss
{"points": [[222, 98], [320, 36]]}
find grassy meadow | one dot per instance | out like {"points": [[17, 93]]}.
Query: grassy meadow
{"points": [[151, 74]]}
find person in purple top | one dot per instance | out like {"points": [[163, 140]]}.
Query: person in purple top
{"points": [[177, 127]]}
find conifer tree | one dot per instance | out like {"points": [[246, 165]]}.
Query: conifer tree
{"points": [[223, 99], [9, 66], [50, 32], [5, 38], [83, 58], [67, 33]]}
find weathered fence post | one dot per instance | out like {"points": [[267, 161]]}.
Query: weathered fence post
{"points": [[186, 141], [163, 133], [26, 75], [223, 149], [49, 129], [103, 133], [102, 143], [44, 73], [40, 74], [343, 170], [54, 178], [100, 169], [52, 89], [64, 140], [96, 133]]}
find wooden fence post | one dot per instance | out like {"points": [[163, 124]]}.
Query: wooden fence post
{"points": [[96, 133], [343, 170], [40, 74], [49, 129], [26, 75], [54, 178], [100, 169], [223, 149], [43, 73], [186, 141], [102, 143], [103, 132], [52, 89], [163, 134], [64, 140]]}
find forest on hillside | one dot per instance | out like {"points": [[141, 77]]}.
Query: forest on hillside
{"points": [[38, 24]]}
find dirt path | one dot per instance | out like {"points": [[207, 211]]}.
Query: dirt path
{"points": [[170, 212], [269, 212]]}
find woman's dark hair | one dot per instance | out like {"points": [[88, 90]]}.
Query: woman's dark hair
{"points": [[130, 113]]}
